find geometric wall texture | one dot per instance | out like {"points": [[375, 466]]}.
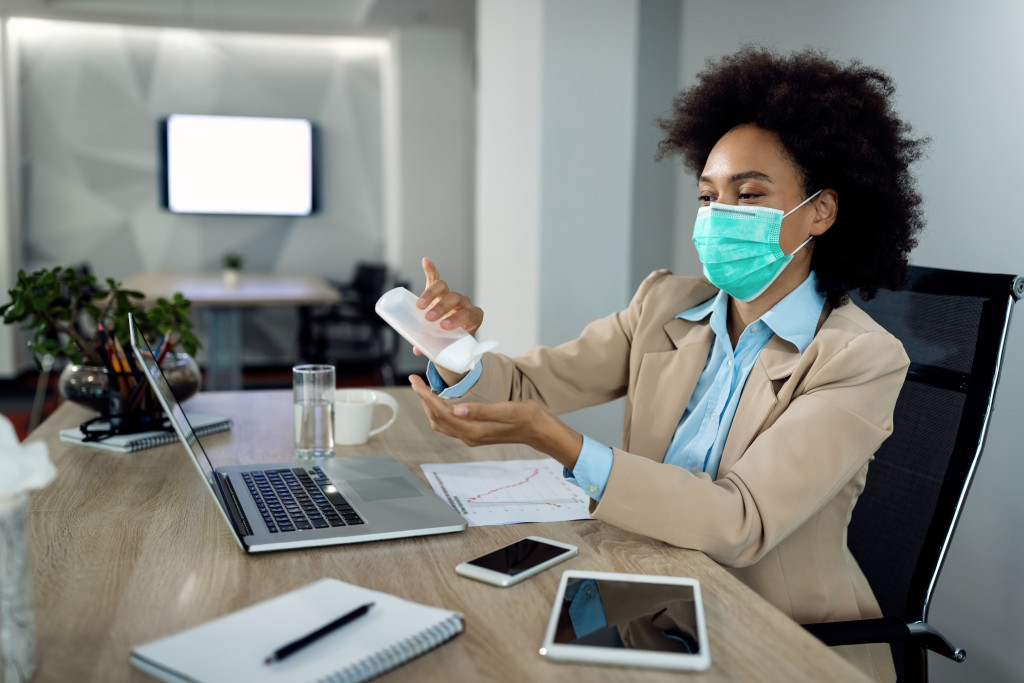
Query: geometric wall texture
{"points": [[91, 97]]}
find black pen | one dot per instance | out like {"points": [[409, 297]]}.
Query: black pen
{"points": [[294, 646]]}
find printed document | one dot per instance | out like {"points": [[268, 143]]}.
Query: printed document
{"points": [[508, 491]]}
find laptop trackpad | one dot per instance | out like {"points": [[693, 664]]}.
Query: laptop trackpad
{"points": [[385, 488]]}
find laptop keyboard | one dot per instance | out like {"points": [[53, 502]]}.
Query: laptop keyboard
{"points": [[291, 499]]}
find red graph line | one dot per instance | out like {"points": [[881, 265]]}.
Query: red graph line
{"points": [[533, 474], [515, 502]]}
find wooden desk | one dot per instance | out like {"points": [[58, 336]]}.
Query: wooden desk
{"points": [[223, 308], [128, 548]]}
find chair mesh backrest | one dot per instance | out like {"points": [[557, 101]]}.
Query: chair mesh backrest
{"points": [[370, 277], [369, 282], [896, 533]]}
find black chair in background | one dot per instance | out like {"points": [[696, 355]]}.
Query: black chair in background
{"points": [[350, 335], [953, 325]]}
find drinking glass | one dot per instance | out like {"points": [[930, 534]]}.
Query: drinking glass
{"points": [[314, 410]]}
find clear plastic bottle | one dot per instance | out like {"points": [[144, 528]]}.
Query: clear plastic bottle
{"points": [[456, 350]]}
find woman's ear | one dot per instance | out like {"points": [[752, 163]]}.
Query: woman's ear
{"points": [[825, 211]]}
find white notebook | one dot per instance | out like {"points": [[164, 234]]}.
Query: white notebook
{"points": [[233, 648], [203, 425]]}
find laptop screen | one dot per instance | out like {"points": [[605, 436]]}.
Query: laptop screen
{"points": [[172, 407]]}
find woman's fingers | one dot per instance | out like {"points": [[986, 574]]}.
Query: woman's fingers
{"points": [[475, 424], [446, 305], [430, 270], [433, 405], [431, 401], [478, 424], [507, 412], [453, 309], [435, 287]]}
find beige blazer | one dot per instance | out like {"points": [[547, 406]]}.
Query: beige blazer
{"points": [[796, 458]]}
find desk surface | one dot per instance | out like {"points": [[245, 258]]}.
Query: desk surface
{"points": [[254, 289], [130, 547]]}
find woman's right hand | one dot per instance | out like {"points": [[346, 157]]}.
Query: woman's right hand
{"points": [[451, 308]]}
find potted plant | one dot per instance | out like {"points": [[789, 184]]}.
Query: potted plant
{"points": [[232, 265], [72, 315]]}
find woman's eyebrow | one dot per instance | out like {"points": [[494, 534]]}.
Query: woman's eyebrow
{"points": [[745, 175]]}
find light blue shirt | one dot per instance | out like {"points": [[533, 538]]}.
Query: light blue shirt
{"points": [[700, 436], [586, 611], [460, 389]]}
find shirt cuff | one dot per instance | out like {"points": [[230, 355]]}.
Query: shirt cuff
{"points": [[593, 467], [460, 389], [586, 609]]}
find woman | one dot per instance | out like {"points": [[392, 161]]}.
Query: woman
{"points": [[756, 396]]}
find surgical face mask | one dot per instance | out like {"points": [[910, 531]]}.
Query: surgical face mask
{"points": [[739, 247]]}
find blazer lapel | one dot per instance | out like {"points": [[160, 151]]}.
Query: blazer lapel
{"points": [[664, 384], [776, 362]]}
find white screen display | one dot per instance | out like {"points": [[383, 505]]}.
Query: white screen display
{"points": [[239, 165]]}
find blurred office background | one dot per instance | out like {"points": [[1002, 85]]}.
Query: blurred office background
{"points": [[512, 141]]}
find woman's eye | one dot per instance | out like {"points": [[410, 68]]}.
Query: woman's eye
{"points": [[705, 199], [748, 196]]}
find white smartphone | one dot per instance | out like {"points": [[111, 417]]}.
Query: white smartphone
{"points": [[517, 561]]}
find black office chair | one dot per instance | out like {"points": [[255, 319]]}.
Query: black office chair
{"points": [[953, 325], [350, 335]]}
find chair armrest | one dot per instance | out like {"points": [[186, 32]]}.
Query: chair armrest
{"points": [[885, 630]]}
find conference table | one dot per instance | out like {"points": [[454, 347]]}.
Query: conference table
{"points": [[127, 548], [223, 304]]}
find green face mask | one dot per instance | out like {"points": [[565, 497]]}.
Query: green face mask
{"points": [[739, 247]]}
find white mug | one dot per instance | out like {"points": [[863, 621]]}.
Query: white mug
{"points": [[353, 412]]}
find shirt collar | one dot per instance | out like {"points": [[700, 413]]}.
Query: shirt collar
{"points": [[795, 318], [701, 311]]}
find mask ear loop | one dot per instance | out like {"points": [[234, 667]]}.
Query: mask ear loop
{"points": [[810, 237], [801, 203]]}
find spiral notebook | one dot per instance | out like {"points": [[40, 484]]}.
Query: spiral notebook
{"points": [[203, 425], [233, 648]]}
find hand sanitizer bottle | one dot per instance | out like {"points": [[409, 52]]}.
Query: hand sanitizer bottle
{"points": [[456, 350]]}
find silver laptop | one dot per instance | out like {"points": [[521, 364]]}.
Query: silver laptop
{"points": [[305, 503]]}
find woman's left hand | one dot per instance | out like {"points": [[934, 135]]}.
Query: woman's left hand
{"points": [[479, 424]]}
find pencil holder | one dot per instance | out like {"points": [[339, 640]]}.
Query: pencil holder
{"points": [[124, 399], [133, 410]]}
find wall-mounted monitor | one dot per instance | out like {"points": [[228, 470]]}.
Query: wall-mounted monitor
{"points": [[238, 165]]}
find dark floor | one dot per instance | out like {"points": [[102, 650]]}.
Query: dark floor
{"points": [[17, 395]]}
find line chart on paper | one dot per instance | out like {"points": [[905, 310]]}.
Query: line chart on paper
{"points": [[508, 492]]}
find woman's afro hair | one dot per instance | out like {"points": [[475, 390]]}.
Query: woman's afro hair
{"points": [[840, 128]]}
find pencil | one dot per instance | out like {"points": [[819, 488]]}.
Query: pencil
{"points": [[160, 346], [115, 363], [126, 365], [165, 346], [101, 345]]}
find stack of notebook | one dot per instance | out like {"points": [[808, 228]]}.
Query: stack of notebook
{"points": [[203, 425]]}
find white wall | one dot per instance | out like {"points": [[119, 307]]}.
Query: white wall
{"points": [[958, 82], [10, 242], [654, 236], [396, 176], [588, 90], [91, 96], [509, 120], [554, 173], [430, 147], [571, 209]]}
